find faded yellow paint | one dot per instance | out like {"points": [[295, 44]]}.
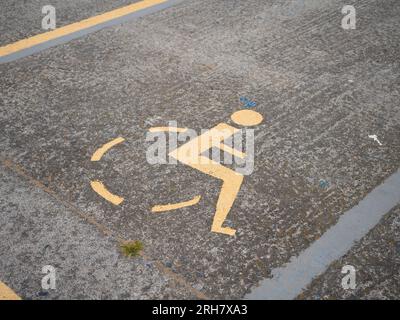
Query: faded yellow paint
{"points": [[101, 190], [7, 294], [102, 150], [173, 206], [168, 129], [77, 26]]}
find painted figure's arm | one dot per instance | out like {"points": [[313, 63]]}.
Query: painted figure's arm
{"points": [[232, 151]]}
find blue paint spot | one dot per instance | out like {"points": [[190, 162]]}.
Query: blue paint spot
{"points": [[247, 103], [323, 184]]}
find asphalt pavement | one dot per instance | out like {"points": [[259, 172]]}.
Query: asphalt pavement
{"points": [[321, 90]]}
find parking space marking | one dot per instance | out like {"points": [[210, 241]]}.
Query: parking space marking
{"points": [[289, 281], [7, 294], [75, 30]]}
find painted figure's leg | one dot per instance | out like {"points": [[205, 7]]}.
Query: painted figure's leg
{"points": [[229, 191], [230, 188]]}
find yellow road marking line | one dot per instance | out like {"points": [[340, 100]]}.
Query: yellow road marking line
{"points": [[101, 190], [173, 206], [7, 294], [102, 150], [77, 26]]}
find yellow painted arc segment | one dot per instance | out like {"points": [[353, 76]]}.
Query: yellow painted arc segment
{"points": [[168, 129], [7, 294], [77, 26], [101, 190], [102, 150], [173, 206]]}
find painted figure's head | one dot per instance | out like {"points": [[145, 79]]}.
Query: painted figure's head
{"points": [[247, 118]]}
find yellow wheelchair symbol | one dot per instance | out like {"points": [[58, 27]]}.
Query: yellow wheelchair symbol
{"points": [[191, 154]]}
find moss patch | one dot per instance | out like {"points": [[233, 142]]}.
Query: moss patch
{"points": [[131, 248]]}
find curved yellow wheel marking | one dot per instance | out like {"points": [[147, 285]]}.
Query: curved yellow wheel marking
{"points": [[168, 129], [173, 206], [102, 150], [101, 190], [7, 294]]}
